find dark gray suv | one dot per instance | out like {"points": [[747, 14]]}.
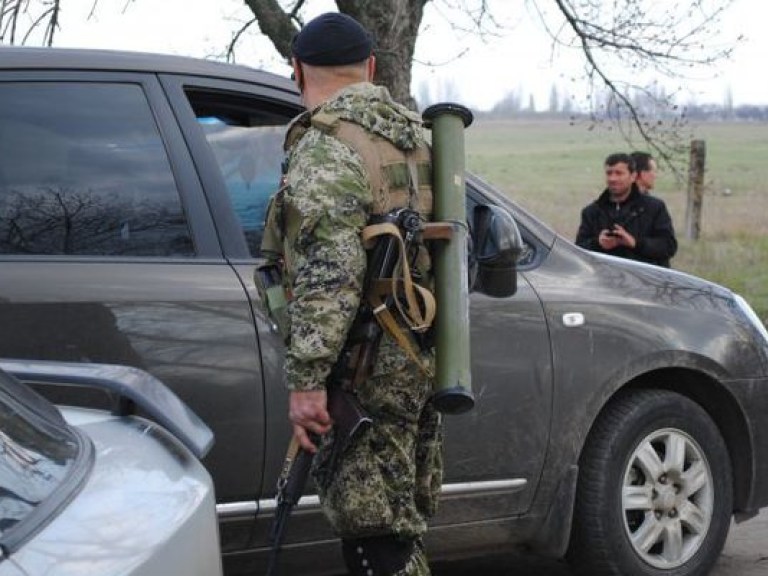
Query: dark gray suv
{"points": [[622, 409]]}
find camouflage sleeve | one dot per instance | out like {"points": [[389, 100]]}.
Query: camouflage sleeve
{"points": [[327, 204]]}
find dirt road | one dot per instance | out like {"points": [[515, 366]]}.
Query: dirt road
{"points": [[745, 554], [746, 551]]}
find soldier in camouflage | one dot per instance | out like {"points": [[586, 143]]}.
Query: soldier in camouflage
{"points": [[384, 487]]}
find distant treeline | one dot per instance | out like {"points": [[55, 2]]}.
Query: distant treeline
{"points": [[651, 102], [717, 112], [710, 112]]}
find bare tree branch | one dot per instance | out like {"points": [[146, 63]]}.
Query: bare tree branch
{"points": [[53, 23], [44, 18], [631, 38], [92, 11], [230, 53], [277, 24]]}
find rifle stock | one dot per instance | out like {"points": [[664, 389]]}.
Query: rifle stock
{"points": [[349, 418]]}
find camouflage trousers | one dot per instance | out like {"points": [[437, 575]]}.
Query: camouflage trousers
{"points": [[388, 480]]}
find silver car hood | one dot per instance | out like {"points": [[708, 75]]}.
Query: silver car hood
{"points": [[147, 508]]}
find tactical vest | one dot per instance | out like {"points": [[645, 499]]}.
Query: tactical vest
{"points": [[390, 171], [397, 179]]}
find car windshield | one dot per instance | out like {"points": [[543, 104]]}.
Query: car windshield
{"points": [[38, 452]]}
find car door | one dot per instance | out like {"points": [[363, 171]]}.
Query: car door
{"points": [[109, 253], [494, 453], [235, 132]]}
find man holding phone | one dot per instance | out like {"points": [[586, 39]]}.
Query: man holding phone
{"points": [[624, 222]]}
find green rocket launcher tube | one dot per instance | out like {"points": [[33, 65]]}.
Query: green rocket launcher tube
{"points": [[452, 392]]}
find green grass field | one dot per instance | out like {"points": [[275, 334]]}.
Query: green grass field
{"points": [[555, 169]]}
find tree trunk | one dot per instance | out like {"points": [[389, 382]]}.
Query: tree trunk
{"points": [[393, 23], [395, 27]]}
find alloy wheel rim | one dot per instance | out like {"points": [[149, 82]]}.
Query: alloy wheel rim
{"points": [[667, 498]]}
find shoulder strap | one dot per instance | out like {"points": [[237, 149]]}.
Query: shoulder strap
{"points": [[419, 310], [296, 129]]}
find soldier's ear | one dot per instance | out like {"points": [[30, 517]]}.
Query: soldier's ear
{"points": [[298, 74], [371, 67]]}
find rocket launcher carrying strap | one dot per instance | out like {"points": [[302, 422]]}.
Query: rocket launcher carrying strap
{"points": [[414, 304], [417, 312]]}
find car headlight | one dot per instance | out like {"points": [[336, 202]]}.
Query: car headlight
{"points": [[752, 317]]}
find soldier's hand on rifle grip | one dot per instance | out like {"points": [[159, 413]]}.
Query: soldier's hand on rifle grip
{"points": [[308, 411]]}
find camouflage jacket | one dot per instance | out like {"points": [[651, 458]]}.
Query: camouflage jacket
{"points": [[324, 203]]}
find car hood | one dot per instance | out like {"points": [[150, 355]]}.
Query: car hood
{"points": [[659, 275], [619, 280], [147, 508]]}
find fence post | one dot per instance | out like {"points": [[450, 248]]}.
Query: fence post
{"points": [[695, 189]]}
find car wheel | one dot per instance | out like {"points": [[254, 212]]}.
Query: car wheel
{"points": [[654, 495]]}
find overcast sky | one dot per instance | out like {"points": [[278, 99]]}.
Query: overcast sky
{"points": [[518, 59]]}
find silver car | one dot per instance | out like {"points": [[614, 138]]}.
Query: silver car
{"points": [[86, 491]]}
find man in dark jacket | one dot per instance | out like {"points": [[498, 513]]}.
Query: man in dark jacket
{"points": [[624, 222]]}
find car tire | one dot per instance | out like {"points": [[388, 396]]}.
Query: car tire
{"points": [[654, 495]]}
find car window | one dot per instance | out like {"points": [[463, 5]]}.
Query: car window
{"points": [[38, 454], [83, 171], [246, 137]]}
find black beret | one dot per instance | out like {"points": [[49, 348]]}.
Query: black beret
{"points": [[332, 39]]}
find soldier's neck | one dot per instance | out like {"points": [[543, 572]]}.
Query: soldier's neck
{"points": [[316, 95]]}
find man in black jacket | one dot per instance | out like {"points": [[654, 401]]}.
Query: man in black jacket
{"points": [[624, 222]]}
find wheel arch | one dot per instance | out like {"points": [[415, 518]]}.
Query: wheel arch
{"points": [[702, 385], [721, 405]]}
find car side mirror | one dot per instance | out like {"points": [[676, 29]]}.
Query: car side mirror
{"points": [[497, 244]]}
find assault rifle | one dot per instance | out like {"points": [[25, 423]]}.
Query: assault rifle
{"points": [[349, 420], [354, 366]]}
